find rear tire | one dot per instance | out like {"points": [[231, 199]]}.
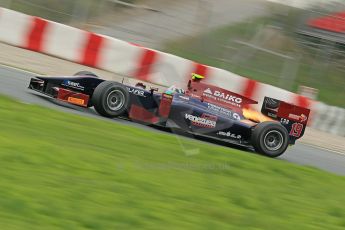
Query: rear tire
{"points": [[270, 139], [85, 73], [111, 99]]}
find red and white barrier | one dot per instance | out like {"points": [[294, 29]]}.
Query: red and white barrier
{"points": [[138, 62]]}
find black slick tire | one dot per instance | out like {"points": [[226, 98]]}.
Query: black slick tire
{"points": [[111, 99], [85, 73], [270, 139]]}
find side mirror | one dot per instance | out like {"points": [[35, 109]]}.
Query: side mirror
{"points": [[152, 90], [140, 85]]}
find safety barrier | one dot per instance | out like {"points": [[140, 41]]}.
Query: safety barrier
{"points": [[138, 62]]}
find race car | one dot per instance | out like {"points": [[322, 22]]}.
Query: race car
{"points": [[200, 109]]}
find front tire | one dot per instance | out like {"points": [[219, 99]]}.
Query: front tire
{"points": [[85, 73], [111, 99], [270, 139]]}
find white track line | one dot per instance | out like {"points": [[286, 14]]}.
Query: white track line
{"points": [[18, 69], [325, 149]]}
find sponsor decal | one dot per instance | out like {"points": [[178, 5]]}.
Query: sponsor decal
{"points": [[208, 91], [219, 109], [223, 111], [284, 121], [76, 101], [138, 92], [301, 118], [184, 97], [75, 85], [229, 134], [272, 115], [206, 120], [223, 97], [236, 116]]}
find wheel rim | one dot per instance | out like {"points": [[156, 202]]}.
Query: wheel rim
{"points": [[273, 140], [115, 100]]}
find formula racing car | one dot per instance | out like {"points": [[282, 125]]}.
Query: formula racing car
{"points": [[199, 109]]}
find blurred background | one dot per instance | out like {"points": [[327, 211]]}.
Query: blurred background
{"points": [[298, 45]]}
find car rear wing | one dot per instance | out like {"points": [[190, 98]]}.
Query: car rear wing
{"points": [[294, 118]]}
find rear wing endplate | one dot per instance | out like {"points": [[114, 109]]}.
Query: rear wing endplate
{"points": [[294, 118]]}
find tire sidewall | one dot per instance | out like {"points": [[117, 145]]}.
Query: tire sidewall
{"points": [[259, 139], [124, 107], [101, 95]]}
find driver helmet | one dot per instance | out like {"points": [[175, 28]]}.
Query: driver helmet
{"points": [[173, 89]]}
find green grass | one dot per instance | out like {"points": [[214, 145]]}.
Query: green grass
{"points": [[314, 69], [62, 171]]}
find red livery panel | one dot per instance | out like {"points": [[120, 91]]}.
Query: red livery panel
{"points": [[73, 97], [139, 113], [293, 112]]}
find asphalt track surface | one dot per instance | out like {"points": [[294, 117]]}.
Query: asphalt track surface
{"points": [[14, 82]]}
